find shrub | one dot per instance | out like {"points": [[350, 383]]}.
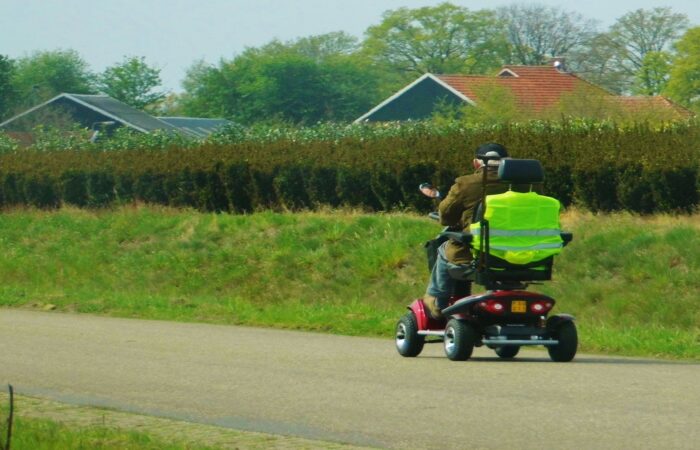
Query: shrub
{"points": [[600, 165]]}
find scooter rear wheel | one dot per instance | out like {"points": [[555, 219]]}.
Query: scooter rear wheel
{"points": [[565, 350], [459, 340], [408, 342]]}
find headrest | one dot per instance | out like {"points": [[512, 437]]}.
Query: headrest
{"points": [[520, 171]]}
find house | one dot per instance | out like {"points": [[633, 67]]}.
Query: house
{"points": [[195, 126], [90, 111], [103, 113], [535, 89]]}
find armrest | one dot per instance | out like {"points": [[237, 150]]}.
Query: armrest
{"points": [[566, 237], [462, 238]]}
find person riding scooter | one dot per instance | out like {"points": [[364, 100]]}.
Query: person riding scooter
{"points": [[457, 211]]}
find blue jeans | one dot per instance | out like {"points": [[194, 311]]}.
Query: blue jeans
{"points": [[441, 285]]}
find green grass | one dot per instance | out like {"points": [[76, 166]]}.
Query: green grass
{"points": [[42, 434], [632, 282]]}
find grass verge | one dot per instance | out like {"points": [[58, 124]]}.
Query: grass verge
{"points": [[633, 282], [48, 425]]}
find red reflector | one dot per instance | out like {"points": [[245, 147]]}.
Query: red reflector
{"points": [[493, 306]]}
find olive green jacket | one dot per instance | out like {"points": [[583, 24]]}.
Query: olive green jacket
{"points": [[457, 208]]}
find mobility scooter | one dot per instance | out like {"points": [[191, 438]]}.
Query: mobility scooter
{"points": [[506, 316]]}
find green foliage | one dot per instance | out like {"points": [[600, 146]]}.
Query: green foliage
{"points": [[496, 104], [300, 82], [652, 76], [133, 82], [601, 165], [684, 83], [127, 139], [7, 143], [51, 138], [45, 74], [588, 103], [6, 91], [42, 434], [438, 39]]}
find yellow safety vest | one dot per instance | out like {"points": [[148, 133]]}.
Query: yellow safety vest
{"points": [[523, 227]]}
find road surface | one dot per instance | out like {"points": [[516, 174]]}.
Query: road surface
{"points": [[349, 389]]}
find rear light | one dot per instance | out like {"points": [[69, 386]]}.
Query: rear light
{"points": [[541, 306], [493, 306]]}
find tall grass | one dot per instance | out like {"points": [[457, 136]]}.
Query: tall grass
{"points": [[632, 282], [43, 434]]}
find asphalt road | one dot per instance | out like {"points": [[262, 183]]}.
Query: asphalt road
{"points": [[347, 389]]}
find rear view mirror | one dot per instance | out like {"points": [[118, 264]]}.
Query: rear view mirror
{"points": [[429, 191]]}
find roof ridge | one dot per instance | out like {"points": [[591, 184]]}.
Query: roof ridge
{"points": [[464, 75], [189, 118], [88, 95], [539, 66]]}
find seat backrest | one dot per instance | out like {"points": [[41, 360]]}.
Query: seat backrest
{"points": [[520, 171]]}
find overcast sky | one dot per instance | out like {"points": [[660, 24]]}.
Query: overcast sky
{"points": [[172, 34]]}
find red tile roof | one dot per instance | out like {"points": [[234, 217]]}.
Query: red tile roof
{"points": [[534, 87], [639, 103]]}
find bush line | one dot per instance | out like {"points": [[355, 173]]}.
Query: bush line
{"points": [[641, 168]]}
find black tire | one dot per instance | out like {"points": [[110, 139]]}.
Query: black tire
{"points": [[507, 351], [565, 350], [408, 342], [459, 340]]}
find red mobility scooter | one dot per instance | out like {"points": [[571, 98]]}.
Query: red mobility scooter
{"points": [[506, 316]]}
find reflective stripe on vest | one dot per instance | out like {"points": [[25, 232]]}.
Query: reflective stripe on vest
{"points": [[513, 233], [514, 248]]}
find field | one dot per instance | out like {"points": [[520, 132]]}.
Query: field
{"points": [[632, 282]]}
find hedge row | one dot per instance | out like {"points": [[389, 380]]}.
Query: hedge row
{"points": [[240, 188], [600, 166]]}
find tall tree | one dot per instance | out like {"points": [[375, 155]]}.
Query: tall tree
{"points": [[304, 81], [209, 91], [623, 48], [684, 83], [45, 74], [642, 31], [537, 33], [326, 45], [651, 78], [6, 90], [133, 82], [440, 39]]}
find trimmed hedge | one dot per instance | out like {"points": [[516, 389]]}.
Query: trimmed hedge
{"points": [[600, 166]]}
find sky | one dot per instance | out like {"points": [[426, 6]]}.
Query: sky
{"points": [[173, 34]]}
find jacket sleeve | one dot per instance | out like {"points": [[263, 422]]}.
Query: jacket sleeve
{"points": [[458, 206], [451, 207]]}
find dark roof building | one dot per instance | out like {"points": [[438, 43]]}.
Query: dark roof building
{"points": [[195, 126], [534, 88], [90, 111]]}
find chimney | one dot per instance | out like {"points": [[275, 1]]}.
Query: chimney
{"points": [[559, 63]]}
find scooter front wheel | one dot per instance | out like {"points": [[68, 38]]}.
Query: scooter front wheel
{"points": [[507, 351]]}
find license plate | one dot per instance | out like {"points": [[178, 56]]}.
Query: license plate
{"points": [[518, 306]]}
